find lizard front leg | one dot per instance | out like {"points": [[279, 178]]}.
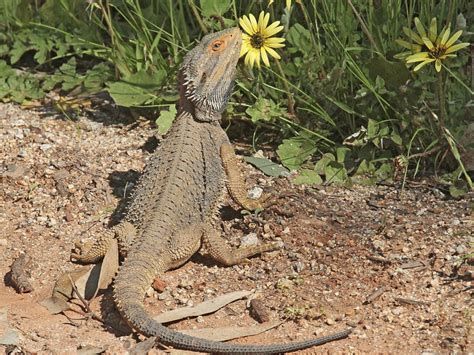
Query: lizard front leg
{"points": [[224, 254], [235, 182], [124, 232]]}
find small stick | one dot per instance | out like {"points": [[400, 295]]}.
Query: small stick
{"points": [[83, 301], [411, 301], [374, 295], [379, 259]]}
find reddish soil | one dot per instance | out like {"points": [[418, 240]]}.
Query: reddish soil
{"points": [[62, 179]]}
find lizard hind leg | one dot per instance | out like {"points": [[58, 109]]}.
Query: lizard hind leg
{"points": [[222, 253], [124, 232]]}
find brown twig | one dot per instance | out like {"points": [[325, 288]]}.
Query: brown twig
{"points": [[374, 295], [83, 301], [379, 259], [411, 301]]}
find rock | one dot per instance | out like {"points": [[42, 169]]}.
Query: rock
{"points": [[159, 285], [330, 321], [255, 192], [298, 266], [200, 319], [150, 292], [3, 242], [164, 295], [461, 249], [45, 147], [283, 284], [397, 311], [258, 311], [249, 239]]}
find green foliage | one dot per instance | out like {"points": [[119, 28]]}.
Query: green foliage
{"points": [[166, 119], [267, 166], [339, 104]]}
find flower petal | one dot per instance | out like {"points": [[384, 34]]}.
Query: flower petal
{"points": [[244, 49], [413, 47], [254, 24], [422, 64], [272, 29], [445, 37], [428, 43], [418, 57], [273, 53], [265, 60], [456, 47], [288, 5], [412, 35], [419, 27], [274, 42], [438, 65], [433, 30], [245, 24], [453, 38]]}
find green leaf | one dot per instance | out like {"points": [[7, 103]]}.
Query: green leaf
{"points": [[293, 152], [267, 166], [264, 110], [96, 77], [308, 177], [336, 173], [300, 38], [214, 8], [341, 153], [137, 88], [166, 119], [325, 160], [372, 128]]}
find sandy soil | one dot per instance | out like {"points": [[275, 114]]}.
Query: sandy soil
{"points": [[62, 180]]}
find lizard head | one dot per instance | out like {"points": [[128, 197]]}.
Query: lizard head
{"points": [[208, 72]]}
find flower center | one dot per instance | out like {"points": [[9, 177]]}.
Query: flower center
{"points": [[437, 51], [257, 40]]}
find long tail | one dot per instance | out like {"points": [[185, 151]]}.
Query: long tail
{"points": [[129, 289]]}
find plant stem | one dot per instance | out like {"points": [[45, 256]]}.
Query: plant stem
{"points": [[291, 102], [441, 103], [197, 16], [364, 26]]}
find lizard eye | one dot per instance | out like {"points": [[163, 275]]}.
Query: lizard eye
{"points": [[217, 45]]}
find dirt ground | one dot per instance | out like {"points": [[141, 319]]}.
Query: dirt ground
{"points": [[62, 180]]}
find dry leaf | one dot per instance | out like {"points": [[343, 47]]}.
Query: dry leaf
{"points": [[63, 288], [228, 333], [89, 280], [205, 307], [109, 267], [8, 335], [55, 305]]}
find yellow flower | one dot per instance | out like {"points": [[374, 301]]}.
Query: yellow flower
{"points": [[429, 47], [288, 4], [258, 40]]}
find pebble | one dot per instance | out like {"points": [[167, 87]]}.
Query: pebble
{"points": [[298, 266], [461, 249], [249, 239], [22, 153], [200, 319], [255, 192], [3, 242], [284, 284], [51, 222], [164, 295], [330, 321], [45, 147], [150, 292], [397, 311]]}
